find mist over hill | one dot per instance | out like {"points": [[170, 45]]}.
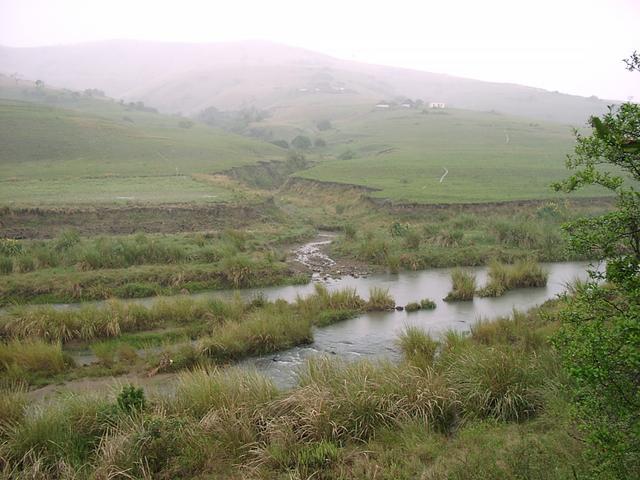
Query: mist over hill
{"points": [[188, 78]]}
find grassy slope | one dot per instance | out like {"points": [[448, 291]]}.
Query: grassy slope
{"points": [[95, 150], [403, 153]]}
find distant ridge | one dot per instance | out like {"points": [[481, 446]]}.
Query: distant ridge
{"points": [[189, 77]]}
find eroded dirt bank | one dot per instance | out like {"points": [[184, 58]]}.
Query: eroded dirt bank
{"points": [[122, 220]]}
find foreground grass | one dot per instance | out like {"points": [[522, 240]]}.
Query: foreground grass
{"points": [[431, 416]]}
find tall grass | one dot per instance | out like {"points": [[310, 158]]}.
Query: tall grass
{"points": [[18, 358], [418, 347], [434, 412], [526, 273], [498, 382], [113, 318], [463, 286], [264, 331], [380, 300]]}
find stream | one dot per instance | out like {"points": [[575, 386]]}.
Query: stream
{"points": [[373, 335]]}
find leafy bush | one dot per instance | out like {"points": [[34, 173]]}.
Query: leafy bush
{"points": [[301, 142], [131, 399], [398, 229]]}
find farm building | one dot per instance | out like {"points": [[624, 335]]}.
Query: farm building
{"points": [[436, 105]]}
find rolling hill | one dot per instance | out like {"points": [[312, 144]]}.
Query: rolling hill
{"points": [[187, 78], [66, 147]]}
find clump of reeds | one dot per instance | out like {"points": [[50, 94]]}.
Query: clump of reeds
{"points": [[264, 331], [464, 286], [418, 347], [427, 304], [32, 357], [412, 307], [380, 300], [497, 382], [502, 278]]}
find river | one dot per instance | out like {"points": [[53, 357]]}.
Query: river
{"points": [[374, 335]]}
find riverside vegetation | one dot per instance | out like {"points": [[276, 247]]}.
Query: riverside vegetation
{"points": [[424, 417], [126, 336], [530, 385]]}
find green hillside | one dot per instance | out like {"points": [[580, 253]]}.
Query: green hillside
{"points": [[99, 150], [404, 153]]}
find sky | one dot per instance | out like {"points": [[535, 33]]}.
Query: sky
{"points": [[571, 46]]}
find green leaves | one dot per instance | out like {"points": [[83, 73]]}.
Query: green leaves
{"points": [[600, 338]]}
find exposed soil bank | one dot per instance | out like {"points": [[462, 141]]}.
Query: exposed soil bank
{"points": [[301, 185], [123, 220]]}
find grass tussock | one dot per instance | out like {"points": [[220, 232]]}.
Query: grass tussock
{"points": [[264, 331], [521, 274], [380, 300], [418, 347], [463, 286], [20, 359]]}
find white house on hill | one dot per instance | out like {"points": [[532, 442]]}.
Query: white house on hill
{"points": [[436, 105]]}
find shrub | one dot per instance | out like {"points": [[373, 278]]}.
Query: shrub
{"points": [[131, 399], [398, 229], [347, 155], [464, 286], [323, 125], [281, 143], [301, 142]]}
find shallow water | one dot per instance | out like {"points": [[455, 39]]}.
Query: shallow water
{"points": [[373, 335]]}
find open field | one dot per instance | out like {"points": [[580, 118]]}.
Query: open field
{"points": [[403, 154], [103, 153]]}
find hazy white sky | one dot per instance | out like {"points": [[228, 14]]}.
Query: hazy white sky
{"points": [[573, 46]]}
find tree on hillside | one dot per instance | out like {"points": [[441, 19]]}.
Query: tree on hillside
{"points": [[301, 142], [600, 336]]}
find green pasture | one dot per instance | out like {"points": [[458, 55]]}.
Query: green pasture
{"points": [[404, 153]]}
